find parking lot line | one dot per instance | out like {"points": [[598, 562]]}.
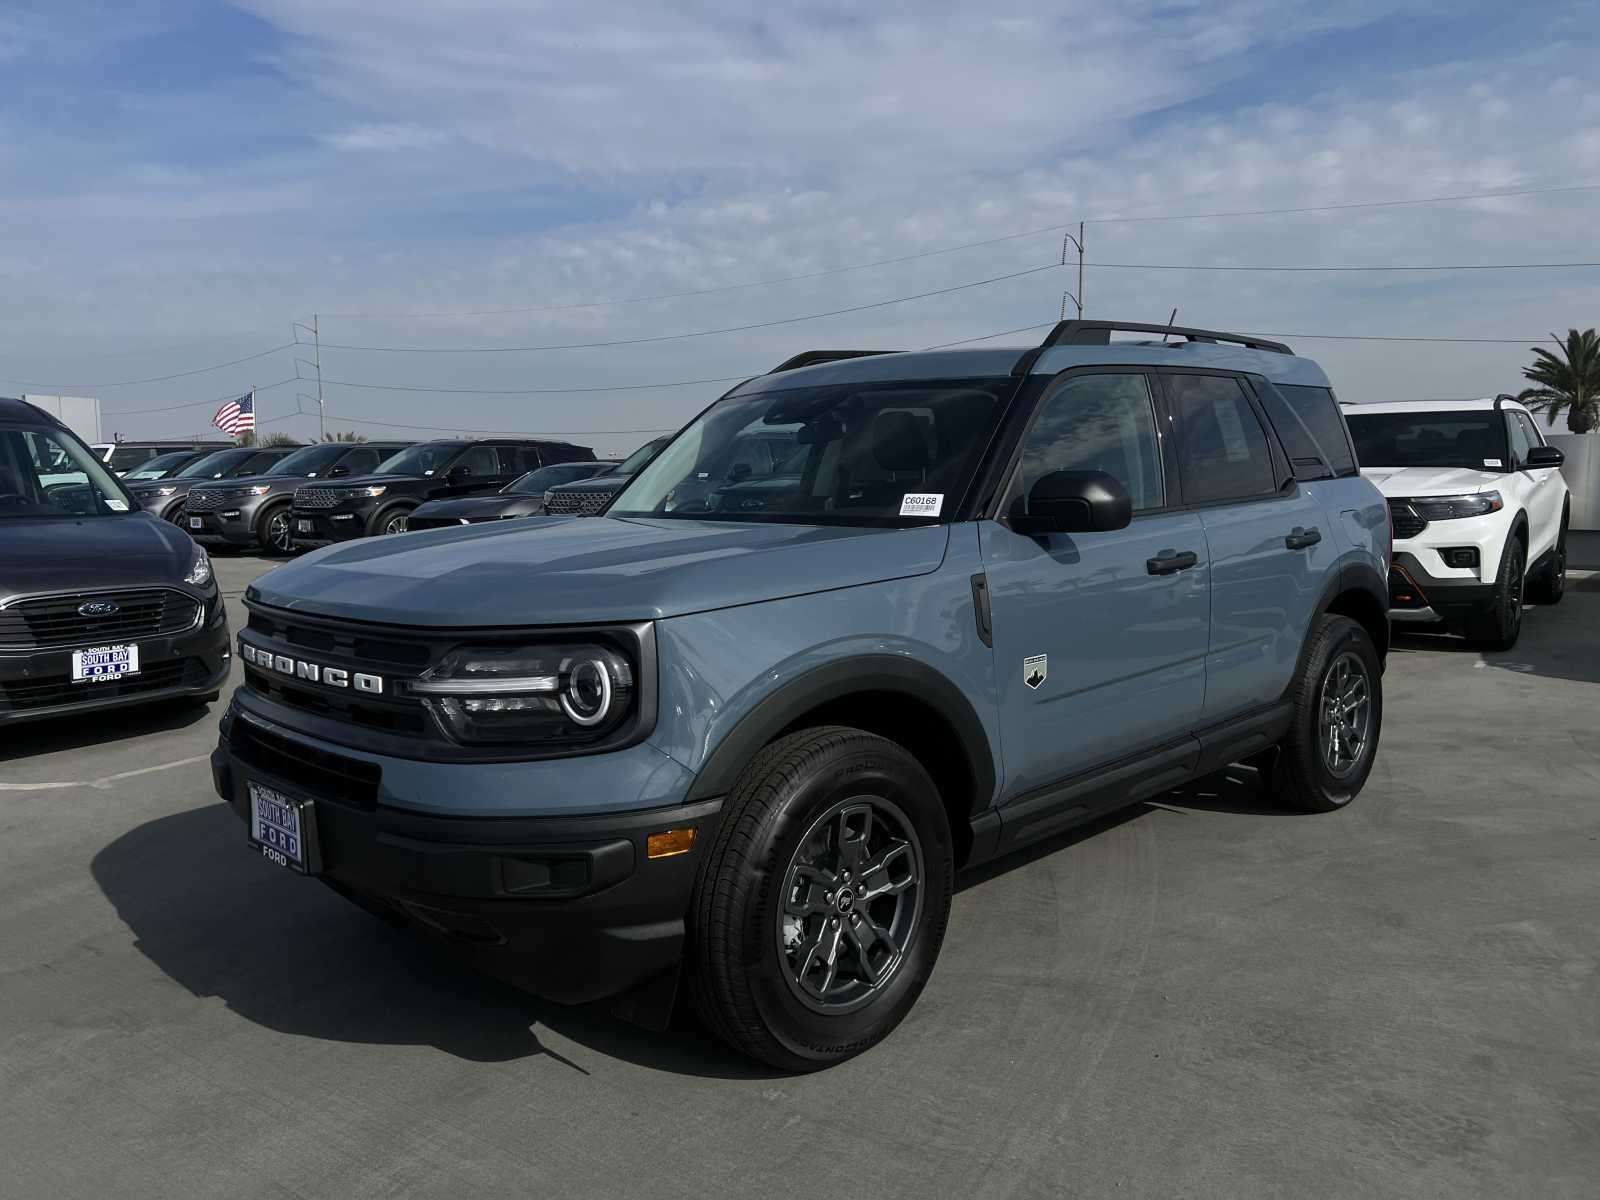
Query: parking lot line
{"points": [[105, 781]]}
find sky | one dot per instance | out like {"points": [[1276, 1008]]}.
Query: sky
{"points": [[444, 182]]}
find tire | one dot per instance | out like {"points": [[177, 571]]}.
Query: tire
{"points": [[274, 533], [1501, 626], [1551, 583], [769, 905], [1310, 774], [175, 514], [389, 520]]}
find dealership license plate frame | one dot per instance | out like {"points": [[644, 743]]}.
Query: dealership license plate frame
{"points": [[282, 816], [304, 525], [196, 523], [129, 662]]}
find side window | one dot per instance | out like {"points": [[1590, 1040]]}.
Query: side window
{"points": [[1519, 439], [518, 460], [480, 460], [360, 462], [1531, 429], [1098, 423], [1222, 448], [1308, 423]]}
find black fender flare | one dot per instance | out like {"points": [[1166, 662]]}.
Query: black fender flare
{"points": [[919, 683], [1355, 574]]}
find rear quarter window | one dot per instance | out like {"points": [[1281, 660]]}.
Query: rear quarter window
{"points": [[1311, 428]]}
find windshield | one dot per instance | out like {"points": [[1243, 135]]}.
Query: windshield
{"points": [[535, 482], [308, 460], [157, 467], [635, 461], [1474, 439], [420, 460], [214, 464], [853, 454], [46, 472]]}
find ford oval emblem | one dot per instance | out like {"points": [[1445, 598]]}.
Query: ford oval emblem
{"points": [[98, 608]]}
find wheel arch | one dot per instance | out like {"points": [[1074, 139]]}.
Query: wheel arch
{"points": [[1357, 591], [901, 699], [385, 511]]}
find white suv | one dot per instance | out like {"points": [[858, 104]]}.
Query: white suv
{"points": [[1478, 507]]}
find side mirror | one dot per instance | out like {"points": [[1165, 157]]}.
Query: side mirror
{"points": [[740, 471], [1072, 502], [335, 471], [1540, 457]]}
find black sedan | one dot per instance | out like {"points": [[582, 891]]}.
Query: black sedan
{"points": [[522, 497]]}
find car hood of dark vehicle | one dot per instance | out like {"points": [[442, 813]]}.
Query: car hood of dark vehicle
{"points": [[562, 570], [479, 508], [56, 554]]}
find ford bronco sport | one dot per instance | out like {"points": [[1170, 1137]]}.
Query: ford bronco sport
{"points": [[746, 747]]}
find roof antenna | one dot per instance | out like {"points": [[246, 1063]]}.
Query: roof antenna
{"points": [[1170, 321]]}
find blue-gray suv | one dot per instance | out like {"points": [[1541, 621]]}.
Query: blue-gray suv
{"points": [[736, 740]]}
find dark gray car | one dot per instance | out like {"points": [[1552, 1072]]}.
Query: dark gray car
{"points": [[254, 510], [522, 497], [588, 497], [166, 497]]}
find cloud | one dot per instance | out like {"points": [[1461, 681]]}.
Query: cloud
{"points": [[384, 137]]}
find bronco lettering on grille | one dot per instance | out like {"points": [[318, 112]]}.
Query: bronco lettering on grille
{"points": [[283, 664]]}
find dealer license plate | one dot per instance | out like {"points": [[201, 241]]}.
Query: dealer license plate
{"points": [[283, 828], [98, 664], [196, 523], [303, 526]]}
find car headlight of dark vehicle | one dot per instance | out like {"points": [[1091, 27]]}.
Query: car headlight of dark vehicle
{"points": [[567, 693], [1446, 508]]}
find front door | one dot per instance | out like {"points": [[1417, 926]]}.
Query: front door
{"points": [[1099, 638]]}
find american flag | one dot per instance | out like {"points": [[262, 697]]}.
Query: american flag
{"points": [[237, 416]]}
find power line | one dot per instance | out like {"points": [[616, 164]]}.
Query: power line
{"points": [[154, 378], [1006, 237], [1428, 267], [673, 337], [626, 387], [134, 412], [501, 429]]}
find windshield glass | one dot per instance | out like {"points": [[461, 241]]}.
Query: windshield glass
{"points": [[308, 460], [47, 473], [852, 454], [419, 460], [214, 464], [535, 482], [632, 464], [1475, 439], [157, 467]]}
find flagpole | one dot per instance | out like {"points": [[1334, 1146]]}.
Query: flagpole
{"points": [[255, 426]]}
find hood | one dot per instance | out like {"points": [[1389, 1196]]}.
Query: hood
{"points": [[278, 483], [147, 489], [1432, 481], [367, 480], [562, 570], [71, 554], [597, 483], [479, 507]]}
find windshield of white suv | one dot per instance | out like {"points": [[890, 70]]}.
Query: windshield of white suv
{"points": [[1474, 438], [855, 454], [46, 473], [423, 459]]}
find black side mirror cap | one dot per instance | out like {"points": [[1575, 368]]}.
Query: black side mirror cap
{"points": [[1072, 502], [335, 471], [1540, 457]]}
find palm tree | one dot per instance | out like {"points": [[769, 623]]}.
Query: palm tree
{"points": [[345, 435], [1570, 381]]}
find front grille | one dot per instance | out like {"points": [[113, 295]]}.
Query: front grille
{"points": [[47, 621], [321, 497], [60, 690], [1407, 521], [325, 775], [204, 500], [575, 503]]}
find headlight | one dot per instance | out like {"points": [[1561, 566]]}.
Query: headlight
{"points": [[370, 492], [1446, 508], [260, 489], [565, 693], [199, 570], [164, 491]]}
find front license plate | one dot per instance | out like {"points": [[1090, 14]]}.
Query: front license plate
{"points": [[196, 523], [98, 664], [283, 828], [302, 526]]}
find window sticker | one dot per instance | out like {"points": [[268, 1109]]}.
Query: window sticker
{"points": [[1234, 442], [117, 505], [1491, 462], [921, 504]]}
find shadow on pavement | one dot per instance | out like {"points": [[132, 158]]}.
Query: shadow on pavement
{"points": [[1562, 642], [75, 732], [288, 954]]}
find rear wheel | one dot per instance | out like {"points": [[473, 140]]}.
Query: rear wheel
{"points": [[274, 532], [1338, 713], [822, 904], [1501, 625], [1551, 584]]}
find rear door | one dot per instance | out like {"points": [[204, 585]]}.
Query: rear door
{"points": [[1099, 638], [1271, 547]]}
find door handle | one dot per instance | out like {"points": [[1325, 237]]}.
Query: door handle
{"points": [[1170, 562], [1298, 538]]}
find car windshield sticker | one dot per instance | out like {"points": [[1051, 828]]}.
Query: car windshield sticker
{"points": [[1491, 462], [1035, 669], [921, 504], [117, 505]]}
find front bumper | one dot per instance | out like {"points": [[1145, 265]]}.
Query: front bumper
{"points": [[324, 526], [234, 525], [37, 684], [1417, 595], [566, 907]]}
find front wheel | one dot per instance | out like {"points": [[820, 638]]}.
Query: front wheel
{"points": [[274, 532], [1338, 713], [823, 902], [1552, 582], [390, 520]]}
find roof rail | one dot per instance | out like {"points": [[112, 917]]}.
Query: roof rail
{"points": [[1098, 333], [810, 358]]}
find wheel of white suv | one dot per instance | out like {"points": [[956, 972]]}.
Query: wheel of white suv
{"points": [[823, 902], [1501, 625], [1338, 714], [1551, 583]]}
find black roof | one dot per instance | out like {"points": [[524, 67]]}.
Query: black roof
{"points": [[20, 410]]}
